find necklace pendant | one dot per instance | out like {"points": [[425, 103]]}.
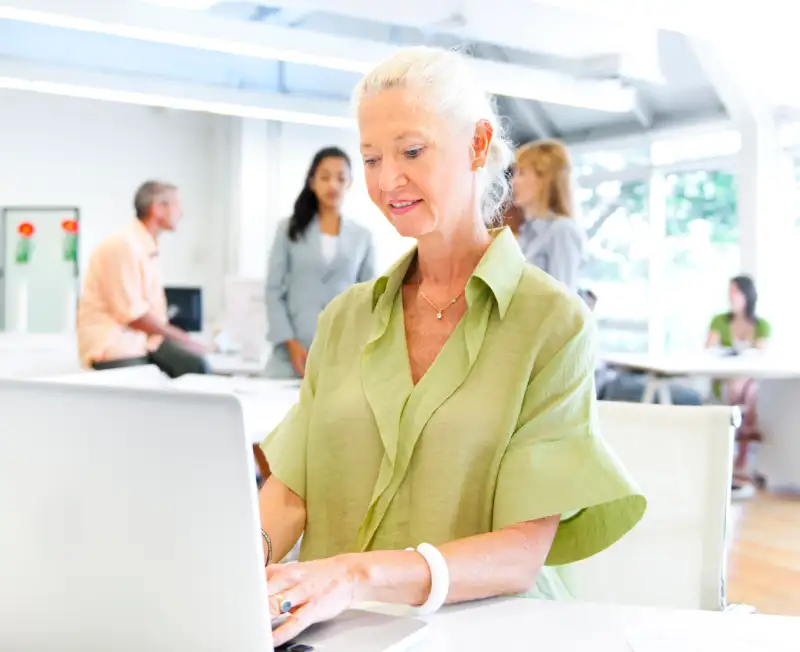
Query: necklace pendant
{"points": [[438, 314]]}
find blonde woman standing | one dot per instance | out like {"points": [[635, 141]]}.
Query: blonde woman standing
{"points": [[549, 237]]}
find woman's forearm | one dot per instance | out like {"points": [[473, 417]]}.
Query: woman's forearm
{"points": [[499, 563], [283, 517]]}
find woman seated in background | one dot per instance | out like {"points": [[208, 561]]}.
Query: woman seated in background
{"points": [[445, 445], [549, 236], [316, 255], [739, 330]]}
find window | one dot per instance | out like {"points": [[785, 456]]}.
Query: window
{"points": [[588, 163], [615, 218], [701, 253]]}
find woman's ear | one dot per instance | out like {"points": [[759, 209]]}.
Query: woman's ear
{"points": [[481, 144]]}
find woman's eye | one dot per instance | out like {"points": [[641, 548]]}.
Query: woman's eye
{"points": [[414, 152], [370, 161]]}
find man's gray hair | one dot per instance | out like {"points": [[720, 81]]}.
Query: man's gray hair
{"points": [[149, 193]]}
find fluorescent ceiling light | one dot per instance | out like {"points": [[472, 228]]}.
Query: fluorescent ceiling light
{"points": [[243, 48], [202, 31], [229, 104]]}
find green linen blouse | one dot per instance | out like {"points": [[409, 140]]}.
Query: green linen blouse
{"points": [[501, 429]]}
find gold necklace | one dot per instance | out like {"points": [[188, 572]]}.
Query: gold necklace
{"points": [[439, 310]]}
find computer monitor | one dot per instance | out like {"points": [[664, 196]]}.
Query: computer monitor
{"points": [[185, 308]]}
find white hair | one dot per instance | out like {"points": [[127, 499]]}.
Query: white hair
{"points": [[444, 81]]}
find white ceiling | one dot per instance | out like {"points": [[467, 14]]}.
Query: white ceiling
{"points": [[589, 70]]}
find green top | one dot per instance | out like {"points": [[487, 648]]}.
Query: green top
{"points": [[501, 429], [721, 324]]}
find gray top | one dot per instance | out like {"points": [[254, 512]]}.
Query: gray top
{"points": [[301, 281], [557, 246]]}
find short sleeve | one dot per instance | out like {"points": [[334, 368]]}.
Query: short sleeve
{"points": [[557, 462], [763, 329], [718, 324], [123, 283], [285, 447]]}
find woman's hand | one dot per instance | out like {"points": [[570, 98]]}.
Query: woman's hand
{"points": [[311, 592], [297, 356]]}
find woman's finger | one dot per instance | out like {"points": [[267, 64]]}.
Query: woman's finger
{"points": [[275, 606], [295, 597], [293, 626], [280, 577]]}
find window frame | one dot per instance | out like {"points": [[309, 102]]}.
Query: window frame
{"points": [[655, 176]]}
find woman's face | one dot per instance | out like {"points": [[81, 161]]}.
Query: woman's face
{"points": [[737, 299], [527, 186], [330, 182], [419, 171]]}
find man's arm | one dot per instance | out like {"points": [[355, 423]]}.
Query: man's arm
{"points": [[149, 324]]}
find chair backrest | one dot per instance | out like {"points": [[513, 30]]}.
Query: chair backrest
{"points": [[139, 376], [681, 458]]}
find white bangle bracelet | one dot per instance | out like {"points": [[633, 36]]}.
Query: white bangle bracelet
{"points": [[440, 579]]}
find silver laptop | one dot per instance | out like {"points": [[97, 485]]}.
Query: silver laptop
{"points": [[129, 523]]}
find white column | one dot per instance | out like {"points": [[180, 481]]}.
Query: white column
{"points": [[766, 216], [255, 170]]}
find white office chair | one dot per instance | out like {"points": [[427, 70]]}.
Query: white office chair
{"points": [[681, 457]]}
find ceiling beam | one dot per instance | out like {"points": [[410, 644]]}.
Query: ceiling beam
{"points": [[732, 84], [202, 30], [615, 139], [535, 117], [129, 89], [286, 17]]}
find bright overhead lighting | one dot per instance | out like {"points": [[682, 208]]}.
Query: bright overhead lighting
{"points": [[202, 31], [197, 41], [194, 5], [171, 102]]}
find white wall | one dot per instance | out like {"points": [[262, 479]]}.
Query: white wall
{"points": [[93, 155], [238, 178]]}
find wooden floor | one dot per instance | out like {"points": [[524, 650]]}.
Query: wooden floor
{"points": [[764, 563]]}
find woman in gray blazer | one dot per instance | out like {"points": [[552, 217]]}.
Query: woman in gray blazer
{"points": [[317, 254], [549, 236]]}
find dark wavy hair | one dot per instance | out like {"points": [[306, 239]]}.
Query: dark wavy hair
{"points": [[747, 287], [306, 205]]}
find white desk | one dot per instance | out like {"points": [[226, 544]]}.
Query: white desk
{"points": [[265, 402], [660, 369], [234, 365], [519, 624], [778, 398]]}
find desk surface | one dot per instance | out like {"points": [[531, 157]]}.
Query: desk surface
{"points": [[753, 364], [265, 402], [519, 624], [234, 365]]}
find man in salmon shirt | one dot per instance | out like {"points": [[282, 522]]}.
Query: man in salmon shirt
{"points": [[122, 312]]}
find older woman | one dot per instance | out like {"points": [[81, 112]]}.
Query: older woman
{"points": [[445, 445], [549, 236]]}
